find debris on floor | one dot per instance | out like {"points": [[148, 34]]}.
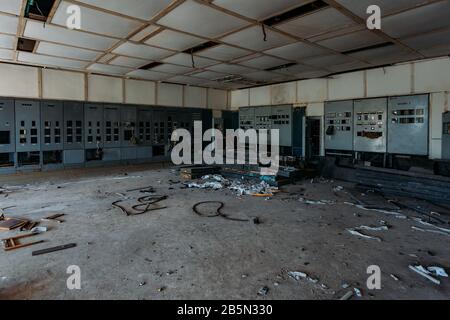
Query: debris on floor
{"points": [[359, 234], [263, 291], [7, 224], [430, 272], [317, 202], [143, 205], [54, 249], [13, 243], [218, 211], [54, 218]]}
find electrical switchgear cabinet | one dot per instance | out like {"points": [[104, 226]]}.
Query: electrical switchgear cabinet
{"points": [[339, 125], [446, 136], [28, 126], [408, 125], [7, 126], [52, 126], [282, 120], [128, 132], [370, 125]]}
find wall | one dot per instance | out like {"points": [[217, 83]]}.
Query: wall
{"points": [[426, 76], [39, 83]]}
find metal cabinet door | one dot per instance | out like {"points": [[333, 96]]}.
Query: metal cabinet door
{"points": [[52, 126], [446, 136], [408, 125], [93, 123], [111, 126], [73, 126], [28, 126], [159, 127], [144, 122], [370, 125], [7, 126], [339, 125], [129, 134], [282, 120]]}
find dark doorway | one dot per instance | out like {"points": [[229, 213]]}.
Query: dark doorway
{"points": [[313, 125]]}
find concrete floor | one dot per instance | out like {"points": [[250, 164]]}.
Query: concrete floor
{"points": [[176, 254]]}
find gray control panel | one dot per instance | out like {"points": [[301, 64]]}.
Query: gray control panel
{"points": [[128, 128], [93, 121], [247, 118], [73, 125], [7, 126], [370, 125], [52, 126], [111, 126], [282, 120], [263, 116], [145, 116], [339, 125], [408, 125], [446, 136], [159, 128], [28, 126]]}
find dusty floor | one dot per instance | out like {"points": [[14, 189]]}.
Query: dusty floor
{"points": [[176, 254]]}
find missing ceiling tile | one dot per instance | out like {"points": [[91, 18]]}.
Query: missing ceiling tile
{"points": [[151, 65], [26, 45], [284, 66], [297, 12], [39, 9], [377, 46]]}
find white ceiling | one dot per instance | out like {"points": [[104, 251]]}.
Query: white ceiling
{"points": [[118, 37]]}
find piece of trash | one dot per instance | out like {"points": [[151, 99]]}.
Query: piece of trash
{"points": [[296, 275], [263, 291], [397, 214], [431, 225], [383, 228], [338, 188], [143, 283], [347, 296], [438, 271], [317, 202], [345, 286], [394, 277], [430, 231], [54, 249], [37, 230], [357, 292], [424, 273], [359, 234], [161, 289]]}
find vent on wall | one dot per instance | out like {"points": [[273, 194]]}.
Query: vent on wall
{"points": [[26, 45], [38, 9], [297, 12], [201, 47]]}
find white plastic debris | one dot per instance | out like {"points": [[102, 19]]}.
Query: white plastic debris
{"points": [[296, 275], [357, 292], [397, 214], [38, 230], [431, 231], [438, 271], [394, 277], [383, 228], [359, 234], [318, 202], [424, 273], [431, 225]]}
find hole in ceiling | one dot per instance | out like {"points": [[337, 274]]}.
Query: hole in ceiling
{"points": [[201, 47], [26, 45], [297, 12], [151, 65], [38, 9], [284, 66], [377, 46]]}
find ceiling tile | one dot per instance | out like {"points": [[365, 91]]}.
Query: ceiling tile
{"points": [[387, 7], [316, 23], [144, 33], [186, 80], [312, 74], [142, 9], [6, 54], [348, 66], [297, 51], [149, 75], [263, 62], [173, 69], [223, 53], [262, 76], [107, 57], [259, 9], [97, 21], [174, 40], [36, 30], [208, 75], [106, 68], [51, 61], [11, 6], [420, 20], [437, 51], [385, 55], [7, 42], [141, 51], [184, 59], [231, 69], [360, 39], [428, 40], [195, 18], [253, 38], [66, 52], [8, 24], [329, 60], [296, 69], [128, 62]]}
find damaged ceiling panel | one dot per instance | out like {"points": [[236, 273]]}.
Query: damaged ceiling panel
{"points": [[224, 39]]}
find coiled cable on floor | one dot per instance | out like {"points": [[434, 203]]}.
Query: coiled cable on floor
{"points": [[218, 212]]}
